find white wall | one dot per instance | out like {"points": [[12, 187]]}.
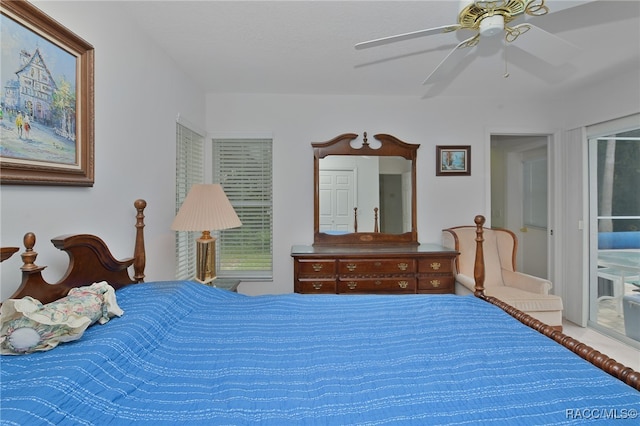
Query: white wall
{"points": [[139, 91], [296, 121], [614, 97], [617, 96]]}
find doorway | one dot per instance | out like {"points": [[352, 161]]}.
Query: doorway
{"points": [[520, 197], [391, 205]]}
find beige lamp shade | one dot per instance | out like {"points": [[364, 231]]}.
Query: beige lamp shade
{"points": [[206, 208]]}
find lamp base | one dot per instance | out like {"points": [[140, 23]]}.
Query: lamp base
{"points": [[205, 258], [210, 281]]}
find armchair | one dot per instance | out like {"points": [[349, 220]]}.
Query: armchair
{"points": [[525, 292]]}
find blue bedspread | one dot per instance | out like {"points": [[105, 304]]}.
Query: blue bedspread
{"points": [[184, 353]]}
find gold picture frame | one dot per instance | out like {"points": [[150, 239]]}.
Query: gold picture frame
{"points": [[47, 116], [453, 160]]}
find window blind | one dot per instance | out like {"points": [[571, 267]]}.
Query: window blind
{"points": [[189, 170], [244, 169]]}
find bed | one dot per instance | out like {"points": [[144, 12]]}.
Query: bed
{"points": [[184, 352]]}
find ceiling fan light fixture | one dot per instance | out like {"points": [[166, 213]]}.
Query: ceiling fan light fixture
{"points": [[488, 18], [492, 25]]}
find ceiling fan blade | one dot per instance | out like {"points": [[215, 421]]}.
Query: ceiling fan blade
{"points": [[407, 36], [452, 60], [544, 45]]}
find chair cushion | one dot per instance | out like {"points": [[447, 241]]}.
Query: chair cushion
{"points": [[525, 300]]}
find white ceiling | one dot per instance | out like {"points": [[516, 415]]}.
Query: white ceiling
{"points": [[307, 47]]}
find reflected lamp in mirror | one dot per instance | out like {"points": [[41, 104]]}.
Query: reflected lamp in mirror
{"points": [[206, 208]]}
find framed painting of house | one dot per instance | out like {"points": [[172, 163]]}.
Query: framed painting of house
{"points": [[47, 100], [453, 160]]}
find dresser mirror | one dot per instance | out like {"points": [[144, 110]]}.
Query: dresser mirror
{"points": [[365, 192]]}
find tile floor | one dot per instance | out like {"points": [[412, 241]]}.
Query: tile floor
{"points": [[609, 317], [621, 352]]}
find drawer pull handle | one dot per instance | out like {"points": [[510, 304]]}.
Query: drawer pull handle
{"points": [[403, 266], [435, 266], [317, 267], [317, 286], [378, 282], [351, 267], [403, 284], [352, 285], [377, 264], [435, 283]]}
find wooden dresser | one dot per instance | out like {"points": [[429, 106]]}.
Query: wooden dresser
{"points": [[427, 268]]}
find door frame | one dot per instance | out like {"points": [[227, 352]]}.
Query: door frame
{"points": [[552, 144]]}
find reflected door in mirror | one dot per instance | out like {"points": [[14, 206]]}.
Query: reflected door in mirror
{"points": [[336, 192], [379, 188]]}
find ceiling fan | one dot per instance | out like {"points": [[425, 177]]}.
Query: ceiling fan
{"points": [[488, 18]]}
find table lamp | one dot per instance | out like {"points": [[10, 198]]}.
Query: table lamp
{"points": [[205, 209]]}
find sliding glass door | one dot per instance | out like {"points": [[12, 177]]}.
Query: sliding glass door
{"points": [[614, 199]]}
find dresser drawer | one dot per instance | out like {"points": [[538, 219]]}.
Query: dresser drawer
{"points": [[376, 270], [436, 265], [436, 284], [311, 267], [376, 266], [319, 285], [377, 285]]}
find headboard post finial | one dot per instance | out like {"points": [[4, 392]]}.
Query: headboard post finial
{"points": [[355, 219], [375, 220], [29, 256], [478, 270], [139, 256]]}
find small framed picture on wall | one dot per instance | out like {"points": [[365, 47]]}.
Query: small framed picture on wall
{"points": [[453, 160]]}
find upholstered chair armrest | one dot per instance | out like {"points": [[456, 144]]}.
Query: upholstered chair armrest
{"points": [[466, 281], [526, 282]]}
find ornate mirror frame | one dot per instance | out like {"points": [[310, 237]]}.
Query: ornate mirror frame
{"points": [[390, 147]]}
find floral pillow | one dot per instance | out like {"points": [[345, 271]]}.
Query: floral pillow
{"points": [[28, 326]]}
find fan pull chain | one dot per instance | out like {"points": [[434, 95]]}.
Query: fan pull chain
{"points": [[506, 69]]}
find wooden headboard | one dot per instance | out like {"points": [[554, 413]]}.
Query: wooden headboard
{"points": [[90, 260]]}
